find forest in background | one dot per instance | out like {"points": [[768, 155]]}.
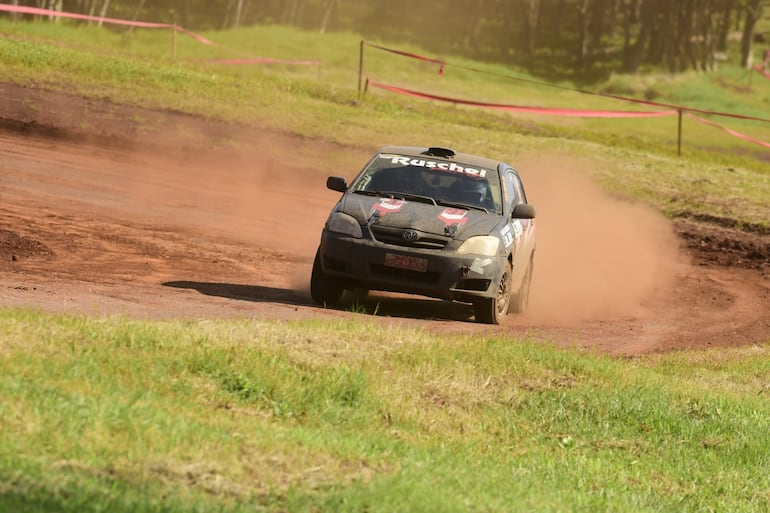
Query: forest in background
{"points": [[561, 38]]}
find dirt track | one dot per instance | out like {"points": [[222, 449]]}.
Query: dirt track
{"points": [[107, 209]]}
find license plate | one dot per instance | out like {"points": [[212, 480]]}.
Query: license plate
{"points": [[406, 262]]}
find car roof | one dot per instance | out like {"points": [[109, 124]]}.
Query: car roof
{"points": [[465, 158]]}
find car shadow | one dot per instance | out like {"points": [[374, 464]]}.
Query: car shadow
{"points": [[376, 304], [410, 307], [256, 293]]}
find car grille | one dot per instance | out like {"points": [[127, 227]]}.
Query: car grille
{"points": [[395, 236], [405, 274]]}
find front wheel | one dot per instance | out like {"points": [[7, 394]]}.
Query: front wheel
{"points": [[493, 310], [324, 289]]}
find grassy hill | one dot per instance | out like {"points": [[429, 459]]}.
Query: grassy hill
{"points": [[717, 174], [120, 415]]}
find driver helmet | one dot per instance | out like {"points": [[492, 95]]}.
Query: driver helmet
{"points": [[470, 191]]}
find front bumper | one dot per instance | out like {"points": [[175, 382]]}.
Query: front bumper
{"points": [[361, 263]]}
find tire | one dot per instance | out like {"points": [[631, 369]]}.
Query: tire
{"points": [[324, 289], [493, 310], [359, 294], [520, 300]]}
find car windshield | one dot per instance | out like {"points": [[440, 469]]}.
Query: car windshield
{"points": [[443, 181]]}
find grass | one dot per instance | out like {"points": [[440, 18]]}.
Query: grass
{"points": [[121, 415]]}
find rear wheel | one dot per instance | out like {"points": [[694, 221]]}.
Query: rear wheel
{"points": [[324, 289], [520, 300], [493, 310]]}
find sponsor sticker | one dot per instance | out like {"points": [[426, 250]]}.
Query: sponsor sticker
{"points": [[479, 265], [387, 206], [452, 216], [517, 228], [507, 235]]}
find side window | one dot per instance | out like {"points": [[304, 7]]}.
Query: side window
{"points": [[519, 189], [513, 188]]}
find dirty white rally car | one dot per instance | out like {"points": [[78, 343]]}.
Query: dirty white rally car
{"points": [[434, 222]]}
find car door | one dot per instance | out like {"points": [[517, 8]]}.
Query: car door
{"points": [[519, 231]]}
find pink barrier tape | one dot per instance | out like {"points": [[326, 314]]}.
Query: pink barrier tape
{"points": [[761, 71], [142, 24], [681, 107], [729, 131], [265, 60], [147, 24], [581, 91], [440, 62], [522, 108]]}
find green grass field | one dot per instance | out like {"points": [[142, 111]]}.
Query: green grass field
{"points": [[118, 415], [111, 414]]}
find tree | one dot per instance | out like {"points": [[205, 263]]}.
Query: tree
{"points": [[590, 37], [752, 13], [531, 9], [103, 13], [329, 8]]}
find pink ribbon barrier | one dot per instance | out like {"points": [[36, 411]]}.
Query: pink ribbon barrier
{"points": [[147, 24], [761, 71], [730, 131], [604, 95], [142, 24], [526, 109], [440, 62]]}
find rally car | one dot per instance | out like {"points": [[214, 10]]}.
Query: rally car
{"points": [[433, 222]]}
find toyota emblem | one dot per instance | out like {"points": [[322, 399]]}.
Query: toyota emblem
{"points": [[410, 235]]}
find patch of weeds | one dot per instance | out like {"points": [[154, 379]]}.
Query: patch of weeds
{"points": [[362, 308]]}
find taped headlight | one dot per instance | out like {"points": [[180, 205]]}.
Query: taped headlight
{"points": [[486, 245], [345, 224]]}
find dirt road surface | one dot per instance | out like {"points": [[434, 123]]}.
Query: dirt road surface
{"points": [[117, 210]]}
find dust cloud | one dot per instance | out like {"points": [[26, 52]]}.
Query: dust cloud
{"points": [[597, 257]]}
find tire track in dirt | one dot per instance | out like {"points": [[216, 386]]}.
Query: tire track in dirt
{"points": [[178, 232]]}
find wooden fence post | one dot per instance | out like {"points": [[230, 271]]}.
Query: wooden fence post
{"points": [[360, 66], [173, 41]]}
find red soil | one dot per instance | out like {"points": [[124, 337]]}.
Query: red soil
{"points": [[109, 209]]}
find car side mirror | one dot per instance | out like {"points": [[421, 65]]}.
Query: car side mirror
{"points": [[336, 183], [523, 212]]}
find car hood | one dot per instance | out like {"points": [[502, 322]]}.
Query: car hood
{"points": [[424, 217]]}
